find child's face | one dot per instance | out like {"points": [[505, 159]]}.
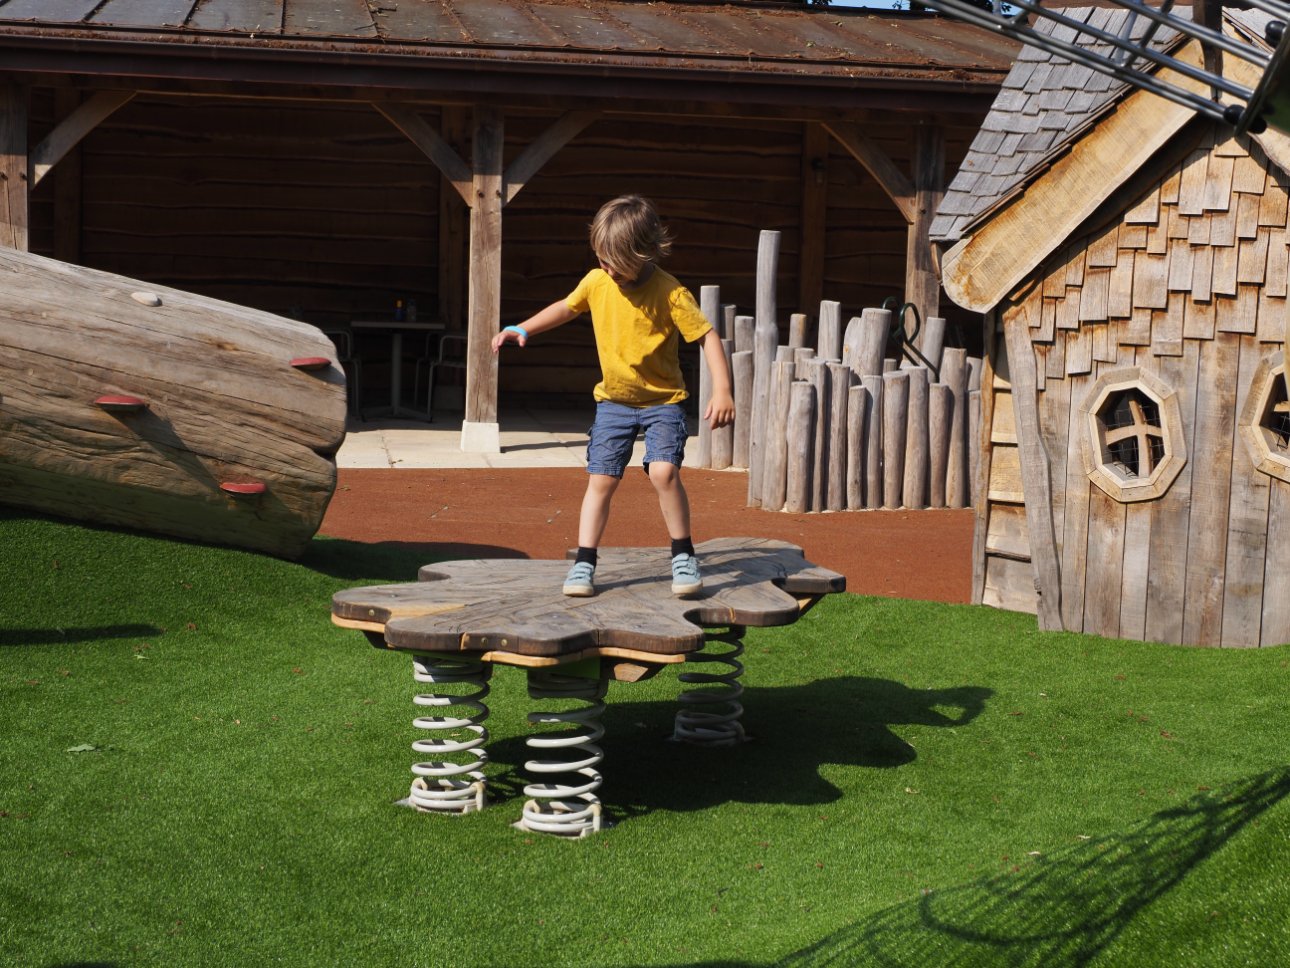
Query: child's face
{"points": [[623, 278]]}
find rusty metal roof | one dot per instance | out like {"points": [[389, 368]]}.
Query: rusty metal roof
{"points": [[787, 41]]}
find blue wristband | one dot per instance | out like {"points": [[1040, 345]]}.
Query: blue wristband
{"points": [[516, 329]]}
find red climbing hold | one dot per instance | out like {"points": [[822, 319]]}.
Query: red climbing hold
{"points": [[119, 403], [311, 363], [242, 488]]}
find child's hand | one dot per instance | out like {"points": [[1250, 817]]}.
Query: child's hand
{"points": [[721, 410], [509, 333]]}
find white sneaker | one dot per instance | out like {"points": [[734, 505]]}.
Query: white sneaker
{"points": [[578, 584], [686, 582]]}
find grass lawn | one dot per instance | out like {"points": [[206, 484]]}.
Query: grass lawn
{"points": [[197, 769]]}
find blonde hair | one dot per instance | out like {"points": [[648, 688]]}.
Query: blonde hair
{"points": [[626, 234]]}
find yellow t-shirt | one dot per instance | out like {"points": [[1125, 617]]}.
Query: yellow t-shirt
{"points": [[637, 336]]}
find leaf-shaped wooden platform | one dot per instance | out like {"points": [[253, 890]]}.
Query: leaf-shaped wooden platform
{"points": [[516, 605]]}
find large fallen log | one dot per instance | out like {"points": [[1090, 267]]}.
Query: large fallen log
{"points": [[129, 404]]}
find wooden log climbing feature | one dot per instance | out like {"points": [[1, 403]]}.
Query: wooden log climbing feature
{"points": [[774, 481], [137, 413], [741, 365], [835, 496], [801, 447], [917, 464], [895, 419]]}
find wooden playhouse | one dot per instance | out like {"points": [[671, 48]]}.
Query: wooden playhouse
{"points": [[1131, 260]]}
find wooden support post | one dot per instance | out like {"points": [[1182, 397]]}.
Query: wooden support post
{"points": [[818, 376], [797, 324], [67, 189], [13, 165], [922, 287], [954, 374], [874, 327], [479, 431]]}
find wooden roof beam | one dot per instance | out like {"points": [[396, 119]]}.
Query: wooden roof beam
{"points": [[884, 171], [88, 116]]}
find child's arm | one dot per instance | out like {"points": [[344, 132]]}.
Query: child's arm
{"points": [[721, 407], [556, 314]]}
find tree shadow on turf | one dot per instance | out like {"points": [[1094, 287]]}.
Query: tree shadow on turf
{"points": [[792, 730], [1062, 909], [56, 636]]}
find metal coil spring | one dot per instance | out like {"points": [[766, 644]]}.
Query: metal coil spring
{"points": [[570, 808], [441, 785], [710, 716]]}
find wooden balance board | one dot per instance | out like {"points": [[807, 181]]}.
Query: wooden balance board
{"points": [[129, 404]]}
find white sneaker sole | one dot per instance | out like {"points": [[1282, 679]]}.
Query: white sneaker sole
{"points": [[579, 591], [687, 591]]}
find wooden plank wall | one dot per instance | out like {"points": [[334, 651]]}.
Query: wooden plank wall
{"points": [[1189, 284], [326, 207]]}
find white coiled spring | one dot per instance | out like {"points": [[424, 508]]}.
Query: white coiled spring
{"points": [[709, 716], [569, 808], [442, 785]]}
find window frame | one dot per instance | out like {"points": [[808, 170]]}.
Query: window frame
{"points": [[1098, 464], [1262, 385]]}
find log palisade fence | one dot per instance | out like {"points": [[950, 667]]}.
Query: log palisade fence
{"points": [[842, 426]]}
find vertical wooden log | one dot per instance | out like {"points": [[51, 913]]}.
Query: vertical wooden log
{"points": [[874, 327], [829, 338], [954, 374], [940, 417], [797, 325], [801, 452], [710, 304], [774, 482], [974, 444], [917, 457], [873, 442], [895, 417], [857, 425], [723, 438], [818, 377], [931, 343], [479, 430], [814, 213], [803, 356], [851, 342], [767, 275], [13, 165], [765, 336], [835, 496], [741, 365], [922, 287], [728, 312], [743, 334]]}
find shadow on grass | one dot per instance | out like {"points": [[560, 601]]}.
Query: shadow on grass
{"points": [[390, 561], [793, 730], [61, 636], [1064, 909]]}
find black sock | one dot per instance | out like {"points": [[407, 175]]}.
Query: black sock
{"points": [[682, 546], [586, 554]]}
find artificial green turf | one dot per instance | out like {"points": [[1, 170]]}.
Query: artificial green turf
{"points": [[197, 769]]}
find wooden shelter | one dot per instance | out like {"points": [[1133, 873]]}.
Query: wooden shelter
{"points": [[321, 158], [1131, 260]]}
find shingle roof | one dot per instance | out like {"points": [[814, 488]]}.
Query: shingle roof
{"points": [[789, 42], [1045, 103]]}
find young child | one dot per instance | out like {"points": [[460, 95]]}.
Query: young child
{"points": [[639, 314]]}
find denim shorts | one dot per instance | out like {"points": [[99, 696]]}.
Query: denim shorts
{"points": [[612, 436]]}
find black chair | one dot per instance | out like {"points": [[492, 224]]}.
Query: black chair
{"points": [[352, 364], [451, 353]]}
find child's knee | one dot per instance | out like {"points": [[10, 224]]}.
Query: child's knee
{"points": [[663, 474]]}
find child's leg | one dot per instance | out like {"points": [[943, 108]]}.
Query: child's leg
{"points": [[595, 509], [672, 499]]}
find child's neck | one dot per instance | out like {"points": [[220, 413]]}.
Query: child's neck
{"points": [[643, 277]]}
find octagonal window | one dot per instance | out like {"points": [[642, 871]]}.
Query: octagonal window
{"points": [[1265, 420], [1135, 448]]}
